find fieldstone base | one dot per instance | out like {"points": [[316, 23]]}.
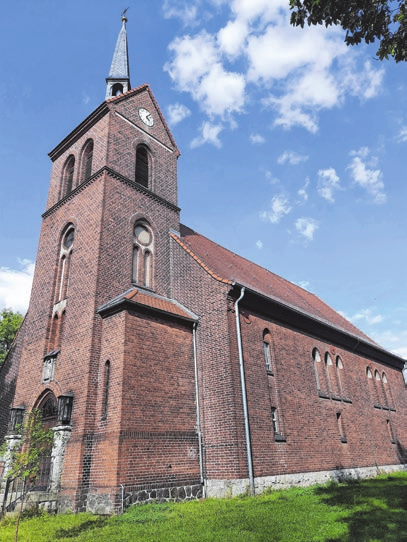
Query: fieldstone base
{"points": [[232, 488], [106, 503]]}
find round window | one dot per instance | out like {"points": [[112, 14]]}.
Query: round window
{"points": [[142, 235], [69, 237]]}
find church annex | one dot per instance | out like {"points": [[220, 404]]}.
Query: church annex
{"points": [[168, 366]]}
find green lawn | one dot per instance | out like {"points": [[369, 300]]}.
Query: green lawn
{"points": [[359, 511]]}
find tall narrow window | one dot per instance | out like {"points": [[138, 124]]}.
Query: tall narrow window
{"points": [[147, 269], [106, 390], [339, 373], [142, 165], [333, 380], [87, 156], [320, 375], [142, 273], [267, 350], [274, 420], [387, 393], [65, 264], [340, 427], [68, 174], [390, 431]]}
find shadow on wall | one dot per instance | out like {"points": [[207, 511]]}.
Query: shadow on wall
{"points": [[401, 452], [375, 509]]}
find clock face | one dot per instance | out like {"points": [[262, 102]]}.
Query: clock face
{"points": [[146, 116]]}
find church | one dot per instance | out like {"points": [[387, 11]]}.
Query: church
{"points": [[167, 366]]}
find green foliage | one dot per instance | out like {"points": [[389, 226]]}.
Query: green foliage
{"points": [[356, 511], [368, 20], [9, 324], [35, 441]]}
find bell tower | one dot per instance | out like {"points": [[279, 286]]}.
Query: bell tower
{"points": [[118, 80]]}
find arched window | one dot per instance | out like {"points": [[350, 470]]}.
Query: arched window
{"points": [[267, 350], [388, 396], [106, 382], [142, 165], [339, 373], [67, 178], [86, 163], [341, 428], [320, 375], [142, 255], [333, 379], [117, 89], [65, 264], [372, 388]]}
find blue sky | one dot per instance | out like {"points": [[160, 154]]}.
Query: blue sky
{"points": [[291, 143]]}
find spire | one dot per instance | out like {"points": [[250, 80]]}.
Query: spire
{"points": [[119, 75]]}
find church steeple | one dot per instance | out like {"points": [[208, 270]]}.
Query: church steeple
{"points": [[118, 80]]}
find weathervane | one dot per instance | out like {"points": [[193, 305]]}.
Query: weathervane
{"points": [[124, 13]]}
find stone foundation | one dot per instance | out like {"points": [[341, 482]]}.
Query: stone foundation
{"points": [[102, 503], [232, 488]]}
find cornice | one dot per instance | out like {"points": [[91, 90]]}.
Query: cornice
{"points": [[303, 322], [129, 304], [115, 175], [78, 132]]}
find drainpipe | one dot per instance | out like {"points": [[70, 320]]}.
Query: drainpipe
{"points": [[246, 418], [198, 418]]}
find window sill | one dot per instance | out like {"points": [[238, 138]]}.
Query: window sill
{"points": [[279, 438], [344, 440], [392, 409], [335, 398], [323, 395], [385, 408], [269, 372], [347, 400], [377, 406]]}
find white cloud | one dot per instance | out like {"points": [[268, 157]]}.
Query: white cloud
{"points": [[257, 56], [291, 157], [306, 227], [15, 286], [279, 207], [196, 68], [328, 183], [85, 98], [402, 135], [368, 316], [369, 179], [177, 113], [209, 134], [186, 10], [270, 177], [259, 244], [257, 139], [302, 192]]}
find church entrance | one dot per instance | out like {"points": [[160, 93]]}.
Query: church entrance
{"points": [[49, 411]]}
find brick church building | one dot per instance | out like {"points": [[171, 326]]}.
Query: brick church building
{"points": [[168, 366]]}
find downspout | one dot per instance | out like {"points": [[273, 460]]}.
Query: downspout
{"points": [[198, 418], [242, 378]]}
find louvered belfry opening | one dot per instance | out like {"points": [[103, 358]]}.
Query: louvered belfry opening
{"points": [[142, 166]]}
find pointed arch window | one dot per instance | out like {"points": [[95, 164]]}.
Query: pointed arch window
{"points": [[68, 175], [267, 351], [320, 375], [87, 157], [106, 383], [142, 255], [142, 165]]}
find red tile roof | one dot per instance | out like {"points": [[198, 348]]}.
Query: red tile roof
{"points": [[228, 267], [160, 303]]}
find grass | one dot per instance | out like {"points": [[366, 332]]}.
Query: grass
{"points": [[372, 510]]}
